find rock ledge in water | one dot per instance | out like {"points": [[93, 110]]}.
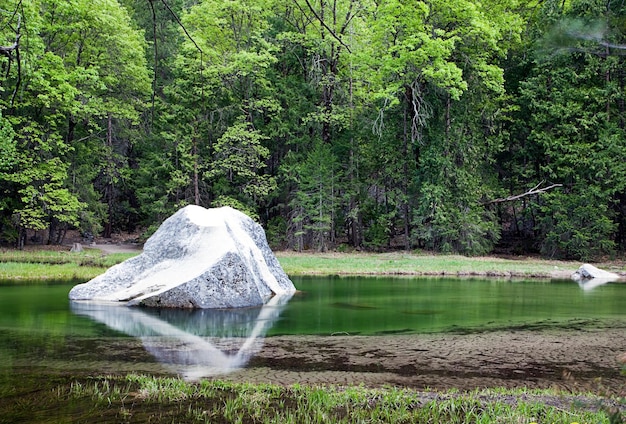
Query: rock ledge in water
{"points": [[198, 258]]}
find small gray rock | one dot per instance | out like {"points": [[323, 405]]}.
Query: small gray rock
{"points": [[588, 272]]}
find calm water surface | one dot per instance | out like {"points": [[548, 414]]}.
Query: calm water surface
{"points": [[41, 330]]}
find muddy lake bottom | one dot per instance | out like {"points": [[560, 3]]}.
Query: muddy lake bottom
{"points": [[582, 357]]}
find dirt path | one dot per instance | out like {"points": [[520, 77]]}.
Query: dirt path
{"points": [[117, 247]]}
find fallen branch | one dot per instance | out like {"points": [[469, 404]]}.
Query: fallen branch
{"points": [[535, 190]]}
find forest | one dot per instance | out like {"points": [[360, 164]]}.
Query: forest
{"points": [[454, 126]]}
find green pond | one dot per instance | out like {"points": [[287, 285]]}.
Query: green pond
{"points": [[42, 332]]}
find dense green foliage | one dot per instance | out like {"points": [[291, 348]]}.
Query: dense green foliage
{"points": [[389, 124]]}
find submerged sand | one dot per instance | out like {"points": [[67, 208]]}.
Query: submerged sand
{"points": [[575, 359]]}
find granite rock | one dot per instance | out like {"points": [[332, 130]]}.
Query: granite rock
{"points": [[198, 258]]}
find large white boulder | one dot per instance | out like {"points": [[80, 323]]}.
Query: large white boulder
{"points": [[198, 258]]}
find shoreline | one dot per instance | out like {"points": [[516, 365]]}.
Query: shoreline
{"points": [[368, 264]]}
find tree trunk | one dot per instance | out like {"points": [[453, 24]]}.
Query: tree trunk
{"points": [[108, 226], [61, 232], [607, 78], [21, 238], [196, 187], [405, 170], [448, 118], [620, 102], [51, 230]]}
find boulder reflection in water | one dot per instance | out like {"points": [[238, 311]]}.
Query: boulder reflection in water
{"points": [[195, 343]]}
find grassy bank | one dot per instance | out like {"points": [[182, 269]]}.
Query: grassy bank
{"points": [[138, 399], [401, 263], [60, 256], [40, 264]]}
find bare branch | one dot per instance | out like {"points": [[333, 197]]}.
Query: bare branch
{"points": [[318, 17], [178, 21], [156, 61], [19, 76], [535, 190], [8, 50]]}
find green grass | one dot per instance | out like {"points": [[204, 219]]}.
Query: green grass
{"points": [[88, 257], [138, 398], [16, 272], [46, 265], [398, 263], [42, 264]]}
